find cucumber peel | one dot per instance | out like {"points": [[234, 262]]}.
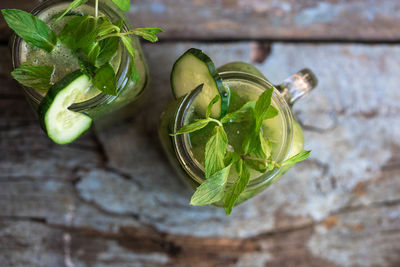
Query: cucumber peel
{"points": [[61, 124], [194, 68]]}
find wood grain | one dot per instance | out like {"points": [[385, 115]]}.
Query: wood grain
{"points": [[332, 20]]}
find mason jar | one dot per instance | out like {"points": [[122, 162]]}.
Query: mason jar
{"points": [[100, 105], [178, 148]]}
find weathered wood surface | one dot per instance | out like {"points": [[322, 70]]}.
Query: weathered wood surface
{"points": [[258, 19], [111, 198]]}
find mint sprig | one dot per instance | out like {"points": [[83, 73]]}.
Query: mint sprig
{"points": [[33, 30], [34, 76], [219, 156]]}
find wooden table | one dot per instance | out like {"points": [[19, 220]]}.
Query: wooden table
{"points": [[111, 198]]}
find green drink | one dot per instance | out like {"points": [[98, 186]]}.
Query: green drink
{"points": [[79, 61], [284, 136], [62, 58], [241, 93]]}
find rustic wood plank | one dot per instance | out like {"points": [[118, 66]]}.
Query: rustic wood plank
{"points": [[112, 199], [244, 19]]}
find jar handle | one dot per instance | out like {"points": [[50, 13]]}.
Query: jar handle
{"points": [[297, 85]]}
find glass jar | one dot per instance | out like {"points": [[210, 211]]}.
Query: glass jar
{"points": [[100, 105], [292, 140]]}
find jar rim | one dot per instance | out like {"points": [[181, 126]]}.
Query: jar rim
{"points": [[181, 146], [122, 72]]}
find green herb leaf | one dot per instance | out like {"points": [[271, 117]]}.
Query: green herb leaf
{"points": [[212, 189], [261, 150], [105, 80], [192, 127], [124, 5], [135, 73], [271, 112], [91, 52], [262, 110], [263, 147], [85, 64], [213, 101], [107, 27], [262, 105], [240, 114], [231, 158], [108, 49], [79, 32], [33, 30], [250, 138], [215, 151], [238, 187], [127, 41], [74, 4], [257, 165], [148, 34], [297, 158], [34, 76]]}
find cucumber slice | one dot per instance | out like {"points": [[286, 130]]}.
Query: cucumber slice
{"points": [[61, 124], [194, 68]]}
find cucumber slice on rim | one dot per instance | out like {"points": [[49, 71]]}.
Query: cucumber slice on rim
{"points": [[194, 68], [61, 124]]}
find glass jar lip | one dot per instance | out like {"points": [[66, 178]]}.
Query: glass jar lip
{"points": [[123, 68], [180, 144]]}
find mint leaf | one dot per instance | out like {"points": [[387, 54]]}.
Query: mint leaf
{"points": [[79, 32], [105, 80], [127, 42], [197, 125], [106, 27], [257, 165], [261, 108], [85, 64], [209, 108], [135, 73], [34, 76], [212, 189], [91, 52], [215, 151], [263, 102], [250, 138], [238, 187], [148, 34], [74, 4], [231, 157], [262, 147], [124, 5], [297, 158], [271, 112], [239, 115], [108, 49], [33, 30]]}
